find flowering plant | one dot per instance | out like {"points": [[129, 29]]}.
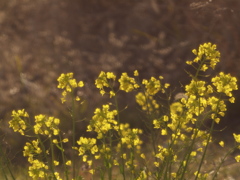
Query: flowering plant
{"points": [[178, 138]]}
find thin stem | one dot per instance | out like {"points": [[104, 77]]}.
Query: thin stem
{"points": [[63, 158], [5, 160], [122, 166], [73, 134]]}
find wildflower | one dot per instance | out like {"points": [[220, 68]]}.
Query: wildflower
{"points": [[193, 153], [236, 137], [103, 120], [225, 83], [196, 88], [221, 143], [68, 163], [156, 164], [147, 102], [68, 84], [143, 156], [127, 83], [237, 158], [136, 73], [56, 163], [46, 125], [153, 86], [65, 140], [103, 81], [37, 168], [18, 121], [207, 56], [87, 144]]}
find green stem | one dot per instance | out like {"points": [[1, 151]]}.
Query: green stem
{"points": [[122, 165], [45, 155], [6, 162], [63, 158], [205, 150], [73, 134]]}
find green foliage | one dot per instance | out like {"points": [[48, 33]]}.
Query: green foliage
{"points": [[177, 144]]}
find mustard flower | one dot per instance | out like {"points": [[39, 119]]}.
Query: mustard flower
{"points": [[56, 163], [153, 86], [37, 169], [31, 149], [147, 102], [221, 143], [103, 81], [237, 158], [130, 137], [18, 121], [103, 121], [136, 73], [46, 125], [87, 144], [207, 56], [127, 83], [196, 88], [65, 140], [143, 175], [69, 163], [225, 83], [68, 84], [236, 137]]}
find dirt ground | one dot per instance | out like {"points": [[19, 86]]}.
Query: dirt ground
{"points": [[41, 39]]}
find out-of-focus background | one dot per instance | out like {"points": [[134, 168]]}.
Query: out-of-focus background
{"points": [[41, 39]]}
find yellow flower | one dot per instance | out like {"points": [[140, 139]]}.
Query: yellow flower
{"points": [[225, 83], [127, 83], [153, 86], [55, 141], [56, 163], [193, 153], [136, 73], [236, 137], [143, 156], [18, 121], [221, 143], [65, 140], [207, 54], [156, 164], [68, 163], [237, 158], [164, 132]]}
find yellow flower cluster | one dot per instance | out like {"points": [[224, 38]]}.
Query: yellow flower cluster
{"points": [[207, 56], [37, 169], [196, 88], [104, 81], [18, 121], [31, 149], [153, 86], [147, 102], [130, 137], [127, 83], [116, 144], [103, 121], [46, 125], [68, 84], [87, 144], [225, 83], [35, 150]]}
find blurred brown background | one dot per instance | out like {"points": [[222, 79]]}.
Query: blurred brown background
{"points": [[41, 39]]}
